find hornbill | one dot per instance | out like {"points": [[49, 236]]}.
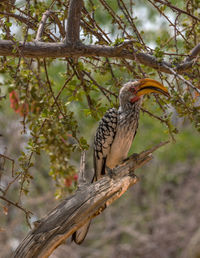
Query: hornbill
{"points": [[116, 132]]}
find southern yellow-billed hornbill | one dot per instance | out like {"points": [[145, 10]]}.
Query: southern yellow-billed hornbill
{"points": [[116, 132]]}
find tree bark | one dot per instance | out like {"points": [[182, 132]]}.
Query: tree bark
{"points": [[73, 22], [77, 209], [55, 50]]}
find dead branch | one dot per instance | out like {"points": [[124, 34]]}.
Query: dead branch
{"points": [[84, 205]]}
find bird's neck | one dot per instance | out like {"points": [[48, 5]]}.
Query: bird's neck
{"points": [[127, 123], [128, 117], [130, 108]]}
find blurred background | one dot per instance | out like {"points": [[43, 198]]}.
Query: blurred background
{"points": [[159, 217]]}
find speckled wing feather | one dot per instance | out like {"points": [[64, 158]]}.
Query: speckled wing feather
{"points": [[103, 140]]}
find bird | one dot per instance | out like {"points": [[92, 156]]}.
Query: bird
{"points": [[116, 132]]}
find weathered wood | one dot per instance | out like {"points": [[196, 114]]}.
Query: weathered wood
{"points": [[77, 209]]}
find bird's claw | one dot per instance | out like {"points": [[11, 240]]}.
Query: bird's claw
{"points": [[110, 172], [135, 156]]}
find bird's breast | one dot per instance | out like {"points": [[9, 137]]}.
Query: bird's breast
{"points": [[121, 144]]}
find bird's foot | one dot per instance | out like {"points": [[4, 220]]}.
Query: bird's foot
{"points": [[110, 172], [135, 156], [100, 210], [36, 223]]}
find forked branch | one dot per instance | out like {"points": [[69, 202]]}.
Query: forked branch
{"points": [[77, 209]]}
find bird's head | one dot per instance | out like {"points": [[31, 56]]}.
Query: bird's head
{"points": [[132, 92]]}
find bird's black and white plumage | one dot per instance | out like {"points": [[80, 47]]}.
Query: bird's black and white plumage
{"points": [[113, 138], [116, 131], [104, 137]]}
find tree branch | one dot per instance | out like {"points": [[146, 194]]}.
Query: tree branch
{"points": [[41, 49], [41, 25], [57, 21], [177, 9], [77, 209], [194, 53], [21, 19], [73, 21], [27, 213], [185, 81]]}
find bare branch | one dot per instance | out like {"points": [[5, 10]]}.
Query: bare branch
{"points": [[20, 18], [194, 53], [12, 160], [41, 25], [129, 18], [153, 115], [94, 25], [177, 9], [167, 18], [41, 49], [60, 26], [184, 80], [51, 90], [76, 210], [16, 205], [73, 21]]}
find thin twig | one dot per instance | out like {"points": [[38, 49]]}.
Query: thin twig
{"points": [[51, 90], [177, 9], [18, 206], [10, 183], [12, 160], [171, 23], [130, 20], [102, 89], [21, 19], [152, 115], [115, 17], [95, 25], [57, 21], [183, 79]]}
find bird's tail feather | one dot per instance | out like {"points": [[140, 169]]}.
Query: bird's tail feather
{"points": [[81, 233]]}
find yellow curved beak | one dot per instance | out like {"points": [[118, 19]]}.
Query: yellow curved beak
{"points": [[148, 85]]}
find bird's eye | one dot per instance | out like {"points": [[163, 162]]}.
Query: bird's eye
{"points": [[132, 89]]}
